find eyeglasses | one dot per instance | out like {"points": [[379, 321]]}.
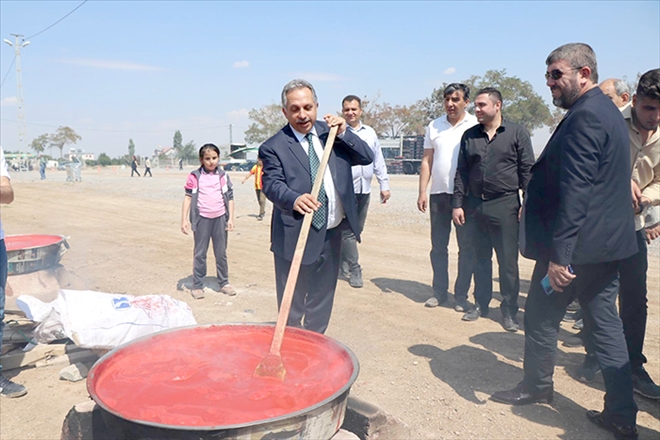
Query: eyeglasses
{"points": [[557, 74]]}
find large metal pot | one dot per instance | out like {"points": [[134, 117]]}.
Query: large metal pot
{"points": [[320, 420], [33, 252]]}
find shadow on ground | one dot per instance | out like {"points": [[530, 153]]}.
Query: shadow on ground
{"points": [[471, 370]]}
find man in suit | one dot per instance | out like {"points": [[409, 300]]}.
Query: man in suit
{"points": [[578, 226], [290, 159]]}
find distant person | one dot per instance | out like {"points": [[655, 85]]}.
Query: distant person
{"points": [[291, 161], [180, 163], [441, 147], [617, 90], [362, 176], [147, 167], [642, 117], [578, 226], [257, 171], [494, 165], [134, 167], [208, 209], [42, 166], [7, 387]]}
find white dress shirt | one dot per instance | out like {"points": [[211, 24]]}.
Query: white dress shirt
{"points": [[4, 172], [362, 174], [445, 141], [335, 208]]}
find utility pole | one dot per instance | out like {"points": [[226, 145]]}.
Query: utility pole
{"points": [[231, 138], [19, 93]]}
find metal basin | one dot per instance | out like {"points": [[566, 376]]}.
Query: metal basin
{"points": [[33, 252], [169, 408]]}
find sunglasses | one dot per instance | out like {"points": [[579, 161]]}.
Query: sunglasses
{"points": [[557, 74]]}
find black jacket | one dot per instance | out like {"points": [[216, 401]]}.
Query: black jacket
{"points": [[578, 208]]}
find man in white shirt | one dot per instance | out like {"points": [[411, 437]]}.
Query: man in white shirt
{"points": [[362, 175], [441, 147]]}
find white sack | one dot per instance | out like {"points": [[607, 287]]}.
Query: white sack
{"points": [[104, 320]]}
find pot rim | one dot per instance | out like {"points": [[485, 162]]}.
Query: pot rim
{"points": [[345, 388]]}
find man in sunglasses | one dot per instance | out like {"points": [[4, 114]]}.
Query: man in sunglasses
{"points": [[577, 227]]}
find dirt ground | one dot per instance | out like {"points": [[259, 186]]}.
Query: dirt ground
{"points": [[424, 366]]}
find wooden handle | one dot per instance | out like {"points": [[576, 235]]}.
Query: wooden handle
{"points": [[292, 279]]}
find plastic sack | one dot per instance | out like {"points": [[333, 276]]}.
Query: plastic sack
{"points": [[104, 320]]}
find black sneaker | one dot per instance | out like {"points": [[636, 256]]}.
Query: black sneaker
{"points": [[509, 324], [579, 324], [11, 389], [472, 314], [589, 370], [644, 385]]}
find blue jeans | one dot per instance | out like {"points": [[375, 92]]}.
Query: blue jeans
{"points": [[42, 171]]}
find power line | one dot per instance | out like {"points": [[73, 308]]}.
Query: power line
{"points": [[74, 10], [8, 70], [124, 131]]}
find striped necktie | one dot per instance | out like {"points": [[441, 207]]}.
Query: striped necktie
{"points": [[320, 216]]}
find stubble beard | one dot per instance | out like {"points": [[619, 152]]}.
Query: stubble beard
{"points": [[569, 95]]}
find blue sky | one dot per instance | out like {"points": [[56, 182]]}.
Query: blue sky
{"points": [[115, 70]]}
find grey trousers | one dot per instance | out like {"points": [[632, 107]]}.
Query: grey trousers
{"points": [[349, 248], [208, 229]]}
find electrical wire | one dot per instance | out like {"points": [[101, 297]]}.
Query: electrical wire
{"points": [[74, 10], [123, 131], [8, 70]]}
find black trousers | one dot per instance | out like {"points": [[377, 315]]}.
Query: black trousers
{"points": [[315, 289], [496, 227], [441, 210], [632, 303], [596, 287]]}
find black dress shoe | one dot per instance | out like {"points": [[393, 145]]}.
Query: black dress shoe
{"points": [[509, 324], [521, 396], [621, 432]]}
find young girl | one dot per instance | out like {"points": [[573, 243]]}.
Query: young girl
{"points": [[208, 208]]}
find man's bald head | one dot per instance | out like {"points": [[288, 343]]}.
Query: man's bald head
{"points": [[617, 90]]}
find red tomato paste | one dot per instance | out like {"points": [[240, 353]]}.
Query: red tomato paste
{"points": [[17, 242], [204, 376]]}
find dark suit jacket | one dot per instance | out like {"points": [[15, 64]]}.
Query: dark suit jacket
{"points": [[286, 176], [578, 208]]}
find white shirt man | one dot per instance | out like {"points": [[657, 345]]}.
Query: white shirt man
{"points": [[362, 176], [441, 148]]}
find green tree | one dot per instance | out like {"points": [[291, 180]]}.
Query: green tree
{"points": [[104, 160], [64, 136], [131, 149], [177, 143], [268, 120], [40, 143], [189, 151], [521, 105]]}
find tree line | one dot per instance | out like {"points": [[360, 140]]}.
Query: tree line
{"points": [[521, 105]]}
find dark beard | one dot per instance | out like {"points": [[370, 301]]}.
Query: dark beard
{"points": [[568, 97]]}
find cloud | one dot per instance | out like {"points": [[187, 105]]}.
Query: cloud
{"points": [[241, 113], [450, 71], [11, 100], [240, 64], [319, 76], [109, 64]]}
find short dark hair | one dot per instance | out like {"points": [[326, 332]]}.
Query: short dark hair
{"points": [[350, 98], [649, 85], [491, 92], [455, 87], [206, 147], [577, 55]]}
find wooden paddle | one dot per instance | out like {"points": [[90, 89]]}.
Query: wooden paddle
{"points": [[272, 365]]}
